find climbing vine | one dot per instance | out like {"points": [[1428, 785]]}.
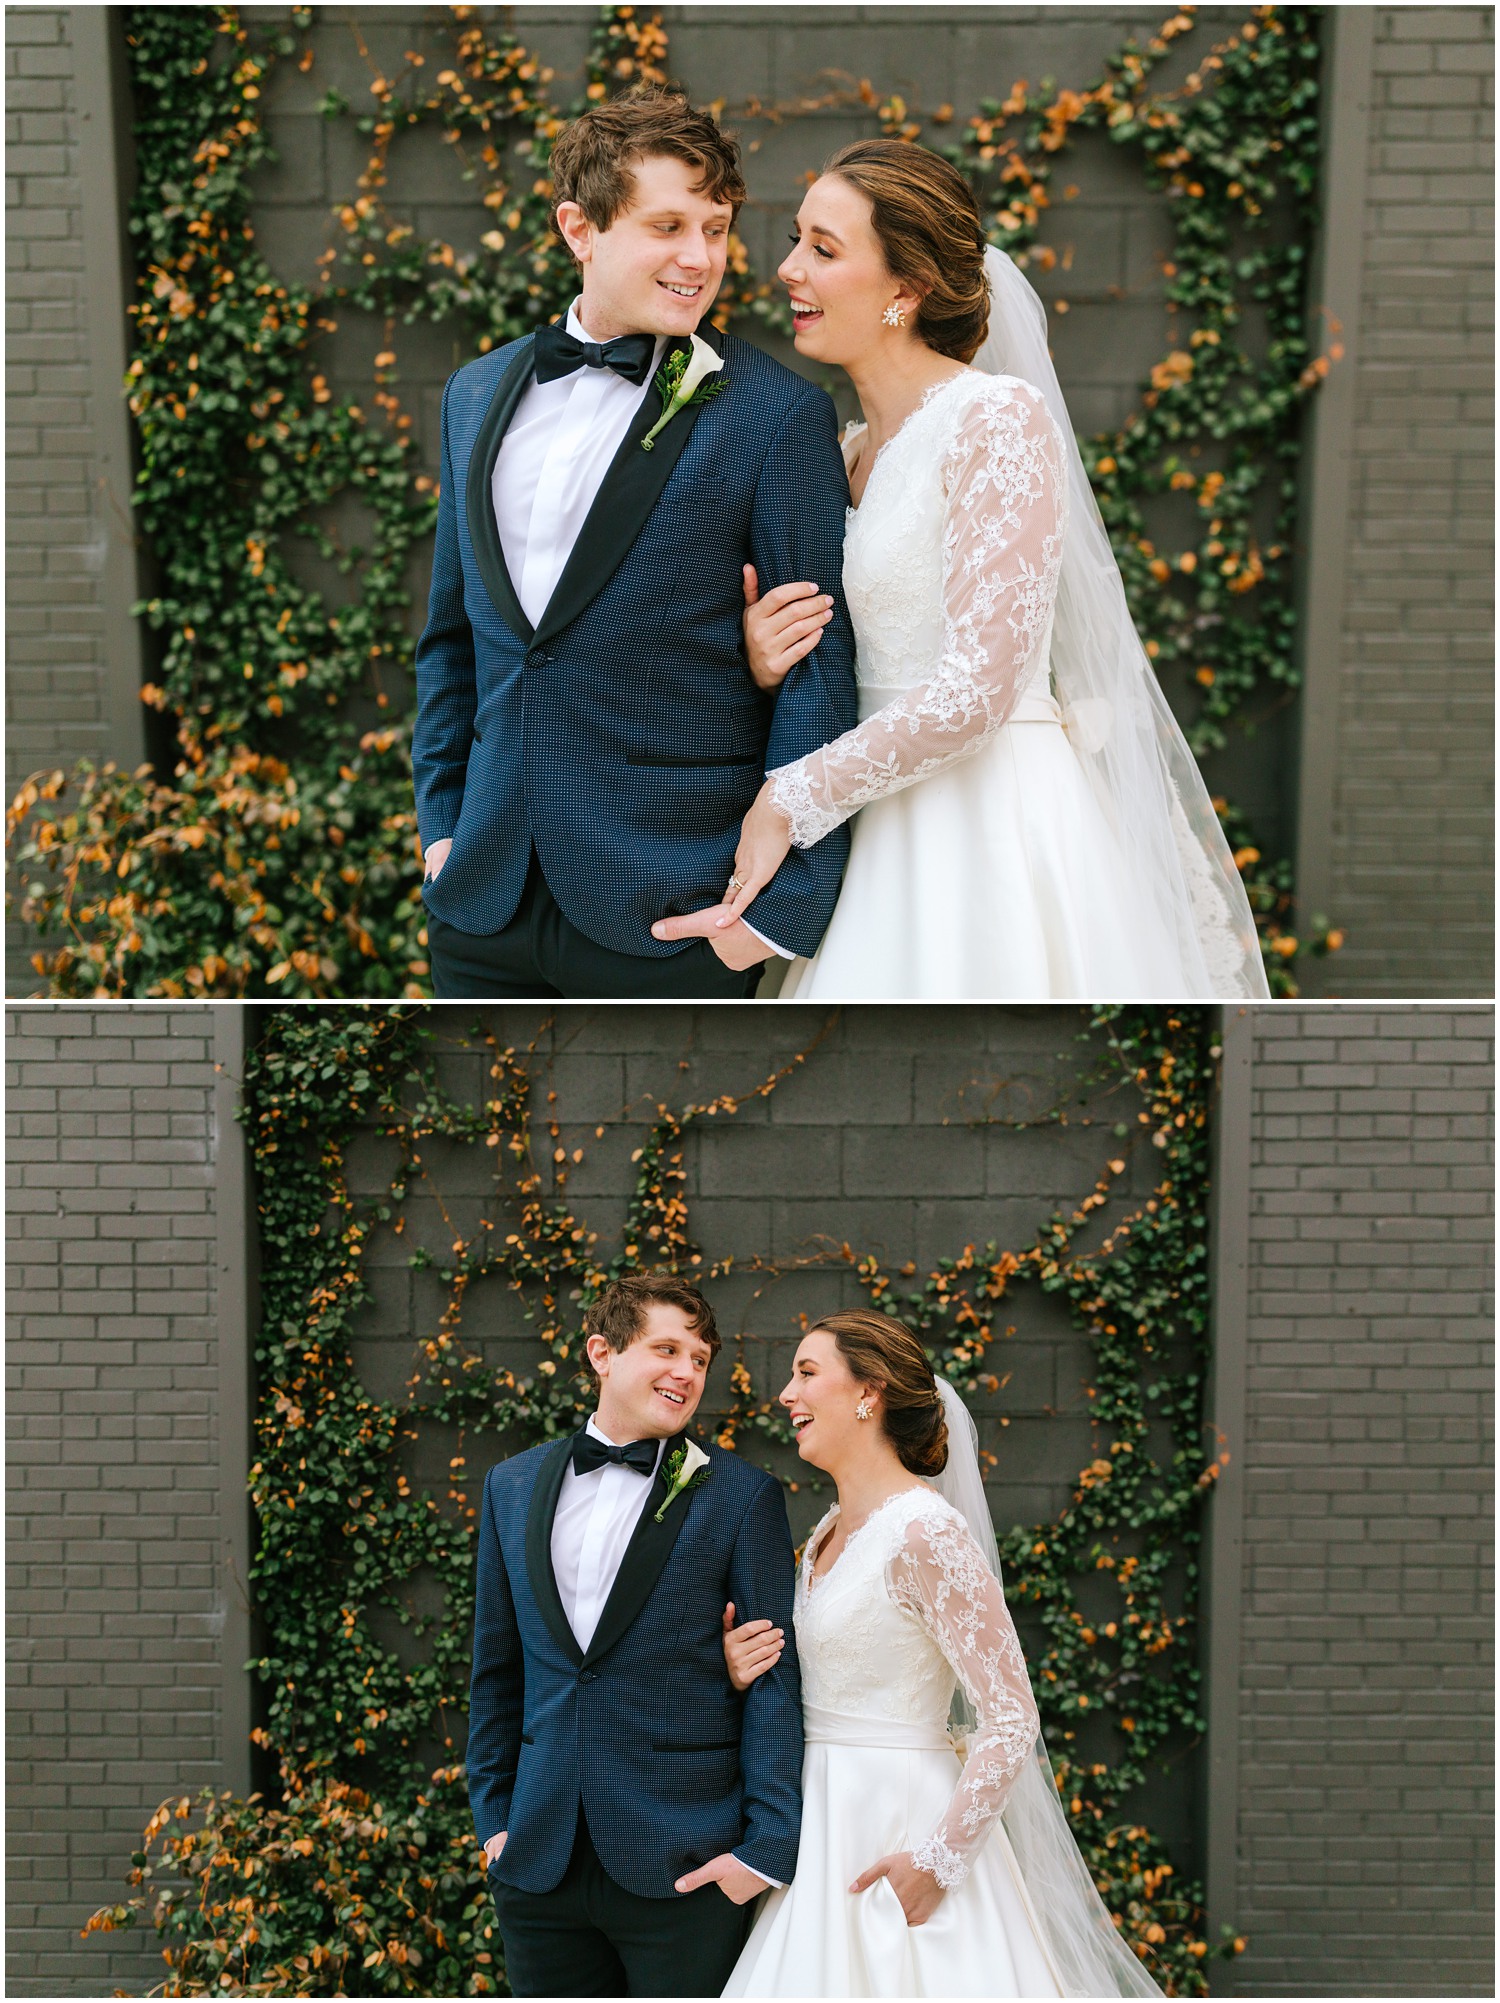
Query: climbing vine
{"points": [[364, 1869], [275, 852]]}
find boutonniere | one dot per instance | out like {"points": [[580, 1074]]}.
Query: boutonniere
{"points": [[691, 375], [687, 1468]]}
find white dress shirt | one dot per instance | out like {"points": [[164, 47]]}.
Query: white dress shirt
{"points": [[596, 1515], [551, 465], [557, 448]]}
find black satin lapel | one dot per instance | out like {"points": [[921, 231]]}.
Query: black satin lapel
{"points": [[627, 494], [479, 503], [649, 1548], [539, 1548]]}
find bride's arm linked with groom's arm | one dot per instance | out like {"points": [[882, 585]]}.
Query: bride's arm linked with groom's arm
{"points": [[1006, 503], [761, 1574]]}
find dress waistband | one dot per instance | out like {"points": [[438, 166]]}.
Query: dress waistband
{"points": [[1037, 704], [838, 1728]]}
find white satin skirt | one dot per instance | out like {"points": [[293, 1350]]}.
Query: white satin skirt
{"points": [[996, 879], [816, 1938]]}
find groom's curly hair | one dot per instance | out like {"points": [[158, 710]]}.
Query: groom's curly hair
{"points": [[593, 158], [619, 1314]]}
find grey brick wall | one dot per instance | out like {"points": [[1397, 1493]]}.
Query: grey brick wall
{"points": [[55, 709], [1412, 877], [112, 1465], [1366, 1695]]}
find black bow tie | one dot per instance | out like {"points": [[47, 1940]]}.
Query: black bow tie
{"points": [[589, 1452], [558, 354]]}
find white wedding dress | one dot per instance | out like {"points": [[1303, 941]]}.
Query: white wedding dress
{"points": [[908, 1606], [983, 865]]}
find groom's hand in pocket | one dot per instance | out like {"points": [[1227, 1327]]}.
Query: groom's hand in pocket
{"points": [[736, 945], [434, 858], [493, 1848], [734, 1879]]}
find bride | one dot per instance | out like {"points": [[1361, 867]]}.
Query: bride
{"points": [[914, 1878], [1032, 824]]}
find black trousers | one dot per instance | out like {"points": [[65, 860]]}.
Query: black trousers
{"points": [[588, 1936], [541, 955]]}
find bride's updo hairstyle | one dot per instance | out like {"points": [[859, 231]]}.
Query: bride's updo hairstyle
{"points": [[880, 1351], [927, 223]]}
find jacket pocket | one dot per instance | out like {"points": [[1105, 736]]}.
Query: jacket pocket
{"points": [[683, 758], [695, 494], [711, 1746]]}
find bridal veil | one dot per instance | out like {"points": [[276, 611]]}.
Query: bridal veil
{"points": [[1087, 1951], [1130, 746]]}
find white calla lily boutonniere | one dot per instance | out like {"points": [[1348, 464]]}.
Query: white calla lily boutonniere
{"points": [[691, 375], [685, 1469]]}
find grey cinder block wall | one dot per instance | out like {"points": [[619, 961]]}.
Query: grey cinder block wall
{"points": [[1390, 813], [1347, 1642]]}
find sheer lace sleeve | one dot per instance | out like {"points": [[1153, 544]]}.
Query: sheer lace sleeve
{"points": [[938, 1575], [1005, 501]]}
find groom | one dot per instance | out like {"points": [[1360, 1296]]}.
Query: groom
{"points": [[588, 734], [629, 1801]]}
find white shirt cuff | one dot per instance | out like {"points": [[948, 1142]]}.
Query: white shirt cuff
{"points": [[776, 1884], [785, 956]]}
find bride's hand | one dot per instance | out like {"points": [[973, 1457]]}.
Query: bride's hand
{"points": [[781, 627], [751, 1650], [919, 1892], [765, 839]]}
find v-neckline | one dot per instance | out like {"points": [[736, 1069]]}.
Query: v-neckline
{"points": [[854, 506], [814, 1579]]}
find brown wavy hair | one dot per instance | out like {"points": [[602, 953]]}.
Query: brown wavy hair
{"points": [[593, 158], [883, 1352], [619, 1314], [927, 223]]}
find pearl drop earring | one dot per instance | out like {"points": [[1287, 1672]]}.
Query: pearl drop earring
{"points": [[893, 315], [862, 1410]]}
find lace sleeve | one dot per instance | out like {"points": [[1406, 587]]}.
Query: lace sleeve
{"points": [[1002, 545], [938, 1575]]}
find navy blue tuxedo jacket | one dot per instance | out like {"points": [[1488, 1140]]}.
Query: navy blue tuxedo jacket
{"points": [[672, 1764], [623, 737]]}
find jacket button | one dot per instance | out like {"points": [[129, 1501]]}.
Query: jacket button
{"points": [[588, 1676]]}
